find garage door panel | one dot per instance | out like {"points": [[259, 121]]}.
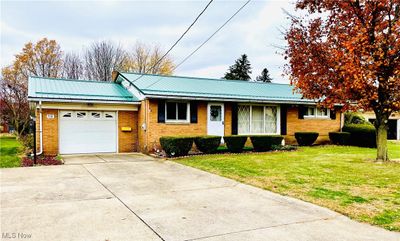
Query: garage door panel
{"points": [[88, 134]]}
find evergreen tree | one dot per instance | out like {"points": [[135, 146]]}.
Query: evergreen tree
{"points": [[264, 77], [241, 70]]}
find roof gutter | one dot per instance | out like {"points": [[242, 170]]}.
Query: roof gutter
{"points": [[83, 101], [233, 100]]}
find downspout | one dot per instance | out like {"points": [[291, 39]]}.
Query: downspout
{"points": [[341, 121], [146, 147]]}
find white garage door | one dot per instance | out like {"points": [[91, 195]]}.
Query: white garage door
{"points": [[87, 132]]}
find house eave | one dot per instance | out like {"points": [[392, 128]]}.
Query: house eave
{"points": [[269, 101], [36, 99]]}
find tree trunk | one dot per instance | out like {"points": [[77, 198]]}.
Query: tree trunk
{"points": [[381, 141]]}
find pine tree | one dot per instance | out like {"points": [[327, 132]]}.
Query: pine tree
{"points": [[264, 77], [241, 70]]}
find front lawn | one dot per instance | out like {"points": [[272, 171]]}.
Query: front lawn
{"points": [[10, 152], [344, 179]]}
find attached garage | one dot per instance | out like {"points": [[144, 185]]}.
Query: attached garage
{"points": [[87, 132], [82, 117]]}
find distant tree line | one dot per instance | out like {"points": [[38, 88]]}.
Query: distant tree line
{"points": [[46, 59]]}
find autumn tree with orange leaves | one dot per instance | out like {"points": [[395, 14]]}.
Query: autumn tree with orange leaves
{"points": [[348, 52], [44, 59]]}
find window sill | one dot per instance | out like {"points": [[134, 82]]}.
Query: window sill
{"points": [[258, 134], [317, 117], [177, 122]]}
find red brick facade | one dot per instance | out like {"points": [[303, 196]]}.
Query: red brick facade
{"points": [[145, 130]]}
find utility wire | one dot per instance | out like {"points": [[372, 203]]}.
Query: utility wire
{"points": [[177, 41], [201, 45]]}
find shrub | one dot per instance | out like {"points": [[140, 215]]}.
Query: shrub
{"points": [[176, 145], [306, 138], [224, 149], [207, 144], [42, 160], [235, 143], [339, 138], [265, 142], [284, 148], [27, 141], [354, 118], [361, 135]]}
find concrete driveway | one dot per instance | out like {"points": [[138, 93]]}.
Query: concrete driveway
{"points": [[134, 197]]}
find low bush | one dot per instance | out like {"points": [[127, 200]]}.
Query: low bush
{"points": [[354, 118], [235, 143], [207, 144], [265, 142], [27, 141], [224, 149], [361, 135], [42, 161], [339, 138], [306, 138], [284, 148], [176, 145]]}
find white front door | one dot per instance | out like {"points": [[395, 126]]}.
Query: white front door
{"points": [[215, 119], [87, 132]]}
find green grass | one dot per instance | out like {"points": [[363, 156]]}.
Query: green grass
{"points": [[10, 152], [344, 179]]}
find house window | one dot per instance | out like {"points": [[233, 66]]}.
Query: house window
{"points": [[177, 111], [95, 115], [215, 113], [314, 112], [67, 115], [109, 115], [80, 115], [258, 119]]}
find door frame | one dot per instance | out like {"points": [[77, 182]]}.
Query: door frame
{"points": [[209, 104]]}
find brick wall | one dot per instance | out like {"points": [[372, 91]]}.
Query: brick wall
{"points": [[156, 130], [228, 119], [322, 126], [50, 131], [149, 139], [127, 140]]}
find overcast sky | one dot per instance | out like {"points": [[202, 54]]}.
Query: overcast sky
{"points": [[75, 24]]}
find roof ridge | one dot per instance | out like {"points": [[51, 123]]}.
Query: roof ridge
{"points": [[202, 78], [75, 80]]}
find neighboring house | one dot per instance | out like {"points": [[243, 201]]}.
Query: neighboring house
{"points": [[134, 111], [4, 128], [394, 123]]}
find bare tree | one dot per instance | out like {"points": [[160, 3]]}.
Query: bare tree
{"points": [[72, 66], [101, 58], [146, 59]]}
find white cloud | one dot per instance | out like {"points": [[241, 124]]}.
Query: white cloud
{"points": [[215, 71], [76, 24]]}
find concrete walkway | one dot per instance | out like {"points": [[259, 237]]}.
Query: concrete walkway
{"points": [[133, 197]]}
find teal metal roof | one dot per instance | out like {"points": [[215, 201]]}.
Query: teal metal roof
{"points": [[75, 90], [191, 87]]}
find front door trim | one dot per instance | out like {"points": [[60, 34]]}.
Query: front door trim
{"points": [[216, 127]]}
